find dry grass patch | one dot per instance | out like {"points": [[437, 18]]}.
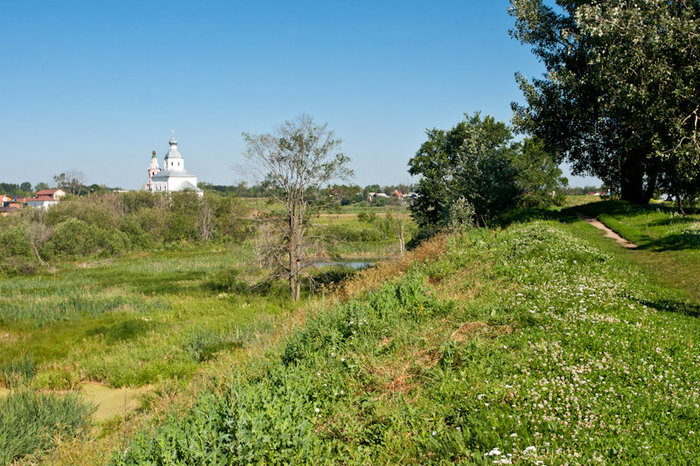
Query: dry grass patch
{"points": [[467, 331], [372, 278]]}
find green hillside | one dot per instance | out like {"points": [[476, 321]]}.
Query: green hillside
{"points": [[542, 343]]}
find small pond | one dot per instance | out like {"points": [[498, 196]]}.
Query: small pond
{"points": [[353, 264]]}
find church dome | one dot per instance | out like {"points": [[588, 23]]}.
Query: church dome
{"points": [[173, 153]]}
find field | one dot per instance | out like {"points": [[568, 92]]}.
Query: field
{"points": [[540, 342], [117, 329]]}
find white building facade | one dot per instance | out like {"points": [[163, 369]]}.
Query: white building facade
{"points": [[173, 177]]}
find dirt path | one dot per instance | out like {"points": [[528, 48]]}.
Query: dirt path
{"points": [[608, 232]]}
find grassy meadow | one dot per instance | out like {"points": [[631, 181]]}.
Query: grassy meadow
{"points": [[542, 343], [129, 322], [137, 324]]}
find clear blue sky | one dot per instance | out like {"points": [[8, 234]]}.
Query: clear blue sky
{"points": [[96, 86]]}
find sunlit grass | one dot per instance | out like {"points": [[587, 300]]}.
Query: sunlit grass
{"points": [[528, 345], [129, 322]]}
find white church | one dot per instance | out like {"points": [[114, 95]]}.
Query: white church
{"points": [[173, 176]]}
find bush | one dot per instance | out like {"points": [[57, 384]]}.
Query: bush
{"points": [[70, 239], [75, 238], [137, 236], [15, 242]]}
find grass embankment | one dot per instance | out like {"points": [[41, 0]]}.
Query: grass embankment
{"points": [[114, 330], [528, 344]]}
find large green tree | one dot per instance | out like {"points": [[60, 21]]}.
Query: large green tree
{"points": [[473, 161], [620, 97]]}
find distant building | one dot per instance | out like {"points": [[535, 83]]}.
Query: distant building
{"points": [[152, 170], [173, 176], [52, 194], [46, 198]]}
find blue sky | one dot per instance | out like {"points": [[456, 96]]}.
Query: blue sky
{"points": [[96, 86]]}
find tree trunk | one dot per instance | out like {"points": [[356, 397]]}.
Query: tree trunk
{"points": [[292, 257], [632, 181]]}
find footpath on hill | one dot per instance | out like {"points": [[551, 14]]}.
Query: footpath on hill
{"points": [[661, 242], [609, 233]]}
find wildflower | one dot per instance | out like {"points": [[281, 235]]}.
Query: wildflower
{"points": [[513, 435]]}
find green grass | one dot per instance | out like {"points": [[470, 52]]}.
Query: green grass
{"points": [[151, 316], [31, 423], [668, 243], [130, 321], [538, 343]]}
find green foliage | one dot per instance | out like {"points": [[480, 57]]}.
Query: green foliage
{"points": [[202, 344], [32, 422], [75, 238], [72, 238], [477, 164], [111, 224], [619, 97], [181, 223], [354, 232], [539, 176], [227, 280], [16, 256], [471, 161], [367, 217], [16, 190], [461, 216], [17, 372]]}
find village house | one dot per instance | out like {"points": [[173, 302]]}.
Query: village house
{"points": [[46, 198], [8, 206]]}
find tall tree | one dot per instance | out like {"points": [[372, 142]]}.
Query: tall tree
{"points": [[620, 97], [539, 177], [70, 181], [299, 157], [473, 160]]}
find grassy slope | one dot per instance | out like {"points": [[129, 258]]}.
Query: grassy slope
{"points": [[539, 343], [134, 321]]}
